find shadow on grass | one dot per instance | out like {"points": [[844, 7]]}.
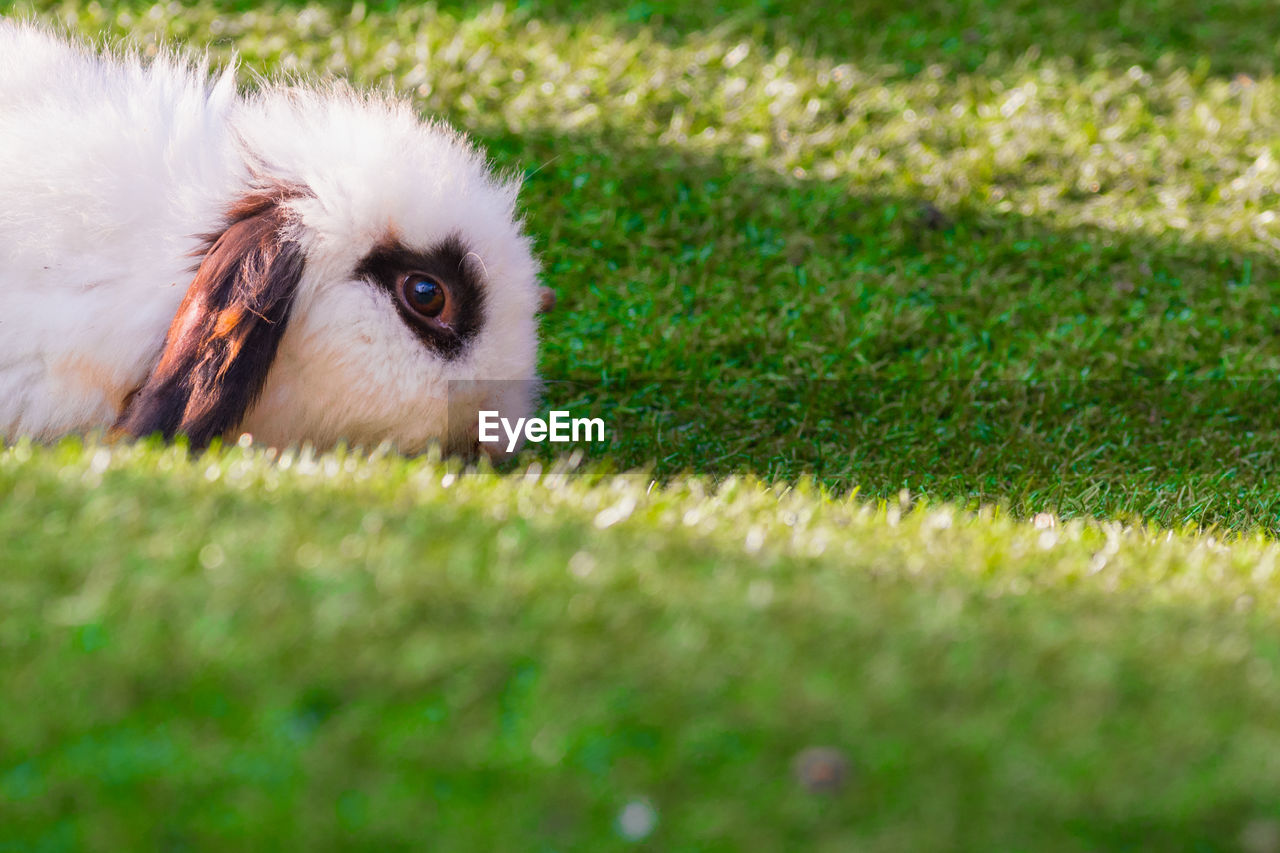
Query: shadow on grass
{"points": [[724, 319]]}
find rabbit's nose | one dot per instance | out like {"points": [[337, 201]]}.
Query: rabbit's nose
{"points": [[546, 300]]}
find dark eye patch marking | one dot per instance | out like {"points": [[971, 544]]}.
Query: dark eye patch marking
{"points": [[447, 263]]}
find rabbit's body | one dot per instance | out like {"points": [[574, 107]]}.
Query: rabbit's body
{"points": [[93, 261], [302, 209]]}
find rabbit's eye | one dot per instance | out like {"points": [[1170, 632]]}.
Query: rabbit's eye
{"points": [[438, 295], [423, 295]]}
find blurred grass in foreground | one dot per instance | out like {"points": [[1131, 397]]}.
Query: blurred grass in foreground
{"points": [[257, 651]]}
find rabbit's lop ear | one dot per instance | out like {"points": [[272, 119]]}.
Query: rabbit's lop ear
{"points": [[226, 332]]}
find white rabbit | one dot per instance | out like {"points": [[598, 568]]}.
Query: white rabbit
{"points": [[302, 264]]}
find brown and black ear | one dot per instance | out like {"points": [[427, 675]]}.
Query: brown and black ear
{"points": [[226, 332]]}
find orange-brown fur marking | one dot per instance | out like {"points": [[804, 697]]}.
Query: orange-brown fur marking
{"points": [[225, 334], [227, 321]]}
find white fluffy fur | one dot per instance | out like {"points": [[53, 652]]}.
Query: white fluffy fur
{"points": [[110, 168]]}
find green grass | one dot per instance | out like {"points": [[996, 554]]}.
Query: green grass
{"points": [[939, 266]]}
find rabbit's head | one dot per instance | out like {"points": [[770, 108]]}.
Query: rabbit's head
{"points": [[371, 283]]}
